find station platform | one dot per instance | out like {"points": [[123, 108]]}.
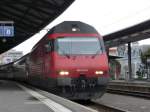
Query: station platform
{"points": [[15, 97], [132, 82], [125, 103]]}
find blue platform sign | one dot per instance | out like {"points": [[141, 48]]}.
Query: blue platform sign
{"points": [[6, 31], [1, 31]]}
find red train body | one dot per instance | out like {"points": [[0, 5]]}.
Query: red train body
{"points": [[70, 60]]}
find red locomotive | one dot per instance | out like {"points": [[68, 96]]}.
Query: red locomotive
{"points": [[70, 61]]}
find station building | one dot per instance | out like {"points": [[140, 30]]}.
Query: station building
{"points": [[10, 56], [119, 69]]}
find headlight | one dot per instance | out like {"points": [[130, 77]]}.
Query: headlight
{"points": [[63, 73], [99, 72]]}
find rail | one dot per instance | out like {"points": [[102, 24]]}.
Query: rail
{"points": [[100, 107]]}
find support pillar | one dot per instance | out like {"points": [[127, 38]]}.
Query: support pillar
{"points": [[129, 62], [107, 52], [148, 67]]}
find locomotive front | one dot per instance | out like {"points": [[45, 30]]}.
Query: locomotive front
{"points": [[80, 62]]}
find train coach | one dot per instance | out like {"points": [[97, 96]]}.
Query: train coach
{"points": [[70, 61]]}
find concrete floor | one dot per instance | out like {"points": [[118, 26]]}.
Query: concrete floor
{"points": [[127, 103], [18, 98]]}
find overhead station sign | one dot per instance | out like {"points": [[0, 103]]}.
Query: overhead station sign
{"points": [[6, 29]]}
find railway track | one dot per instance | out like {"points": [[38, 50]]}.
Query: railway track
{"points": [[130, 93], [100, 107], [131, 89], [142, 91]]}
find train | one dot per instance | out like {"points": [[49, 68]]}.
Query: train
{"points": [[69, 61]]}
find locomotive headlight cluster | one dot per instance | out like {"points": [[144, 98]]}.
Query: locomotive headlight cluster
{"points": [[99, 72], [63, 73]]}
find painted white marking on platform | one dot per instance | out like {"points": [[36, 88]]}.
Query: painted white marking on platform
{"points": [[48, 102], [87, 108], [33, 102]]}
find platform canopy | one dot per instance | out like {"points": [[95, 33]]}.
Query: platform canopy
{"points": [[28, 17], [135, 33]]}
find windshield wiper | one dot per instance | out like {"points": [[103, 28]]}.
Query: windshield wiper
{"points": [[65, 54], [97, 52]]}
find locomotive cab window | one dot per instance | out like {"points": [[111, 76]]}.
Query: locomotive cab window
{"points": [[49, 46], [79, 45]]}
